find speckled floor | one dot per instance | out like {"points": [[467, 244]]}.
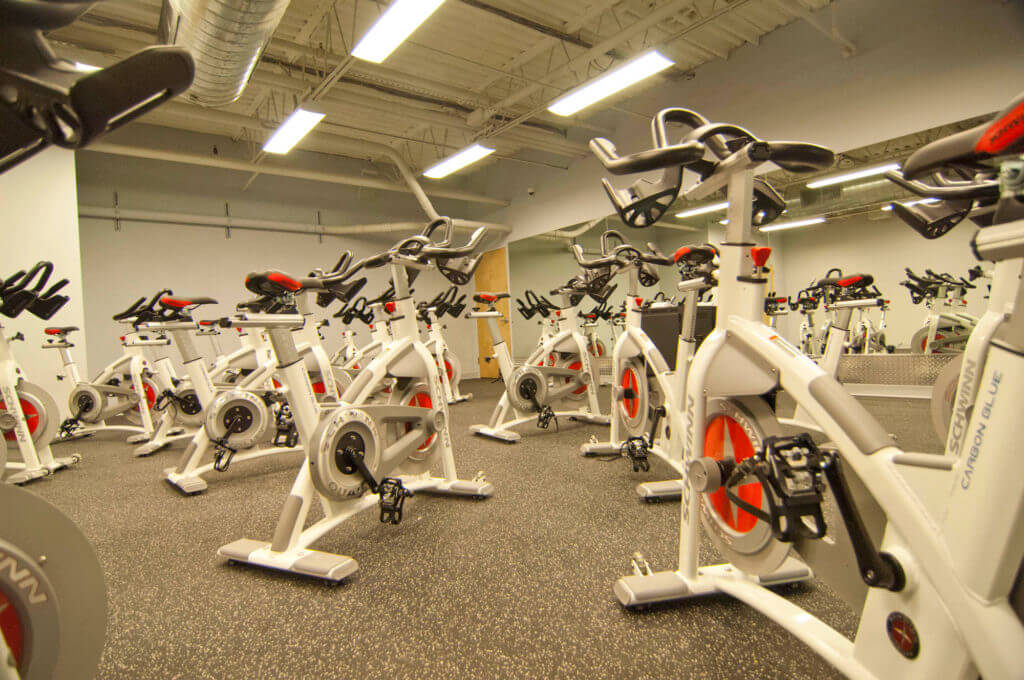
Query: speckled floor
{"points": [[518, 585]]}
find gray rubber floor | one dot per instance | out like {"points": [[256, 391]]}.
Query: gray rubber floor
{"points": [[518, 585]]}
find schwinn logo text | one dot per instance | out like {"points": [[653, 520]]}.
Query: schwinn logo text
{"points": [[691, 429], [959, 425], [22, 579], [979, 434]]}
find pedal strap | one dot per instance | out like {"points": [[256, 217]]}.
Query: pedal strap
{"points": [[790, 471]]}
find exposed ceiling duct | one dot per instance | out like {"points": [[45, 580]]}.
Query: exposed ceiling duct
{"points": [[226, 39]]}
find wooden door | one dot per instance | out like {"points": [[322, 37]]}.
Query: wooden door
{"points": [[492, 277]]}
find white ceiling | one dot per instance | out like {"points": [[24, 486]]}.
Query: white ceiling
{"points": [[476, 70]]}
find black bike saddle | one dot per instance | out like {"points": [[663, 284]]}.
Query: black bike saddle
{"points": [[1004, 134]]}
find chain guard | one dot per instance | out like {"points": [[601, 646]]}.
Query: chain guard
{"points": [[237, 419], [343, 427]]}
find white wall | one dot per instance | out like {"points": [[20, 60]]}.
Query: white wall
{"points": [[881, 247], [139, 259], [39, 214], [920, 63]]}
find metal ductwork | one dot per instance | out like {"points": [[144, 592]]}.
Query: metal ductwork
{"points": [[225, 37]]}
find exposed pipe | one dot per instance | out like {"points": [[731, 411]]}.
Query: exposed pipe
{"points": [[225, 37], [570, 234], [528, 23], [313, 175], [362, 73], [310, 229], [339, 105]]}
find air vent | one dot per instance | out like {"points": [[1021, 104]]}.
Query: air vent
{"points": [[815, 197]]}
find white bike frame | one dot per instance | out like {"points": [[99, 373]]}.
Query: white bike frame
{"points": [[954, 521], [405, 356], [634, 345], [187, 475], [438, 346], [570, 340], [37, 459], [152, 433]]}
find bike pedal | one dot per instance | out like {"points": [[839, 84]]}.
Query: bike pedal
{"points": [[391, 495]]}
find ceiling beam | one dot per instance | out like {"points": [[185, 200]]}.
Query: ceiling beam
{"points": [[528, 23], [296, 173], [792, 8]]}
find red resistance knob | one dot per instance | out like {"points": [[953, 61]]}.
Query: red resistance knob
{"points": [[760, 255], [390, 307]]}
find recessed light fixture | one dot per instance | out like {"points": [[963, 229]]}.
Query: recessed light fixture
{"points": [[704, 209], [294, 128], [397, 23], [469, 155], [888, 208], [858, 174], [85, 68], [794, 224], [609, 83]]}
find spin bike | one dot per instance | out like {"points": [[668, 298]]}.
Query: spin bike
{"points": [[28, 414], [430, 313], [935, 537], [807, 302], [239, 418], [539, 305], [372, 313], [559, 371], [774, 307], [646, 415], [865, 336], [143, 392], [361, 455], [946, 329], [599, 312]]}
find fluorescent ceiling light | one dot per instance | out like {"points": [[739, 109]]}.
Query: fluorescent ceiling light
{"points": [[909, 203], [723, 221], [858, 174], [471, 154], [85, 68], [794, 224], [400, 19], [294, 128], [611, 82], [703, 210]]}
